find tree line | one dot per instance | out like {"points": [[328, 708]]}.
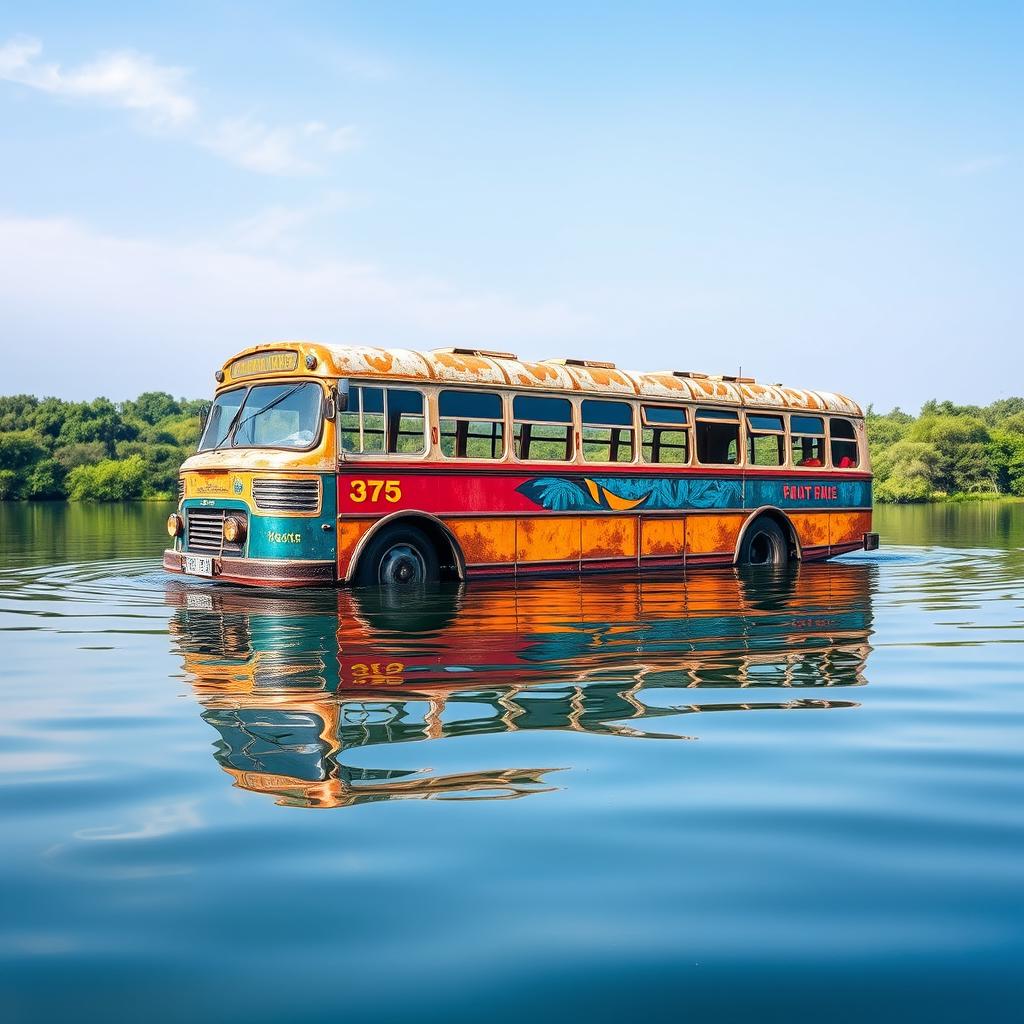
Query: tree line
{"points": [[107, 451], [948, 451], [95, 451]]}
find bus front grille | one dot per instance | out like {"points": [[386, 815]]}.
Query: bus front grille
{"points": [[286, 495], [204, 531]]}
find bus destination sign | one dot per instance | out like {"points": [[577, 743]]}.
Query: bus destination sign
{"points": [[264, 362]]}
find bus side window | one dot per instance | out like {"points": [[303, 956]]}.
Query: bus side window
{"points": [[379, 420], [542, 428], [471, 425], [718, 437], [807, 440], [666, 435], [766, 440], [843, 443], [607, 431]]}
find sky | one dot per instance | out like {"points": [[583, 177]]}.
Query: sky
{"points": [[825, 195]]}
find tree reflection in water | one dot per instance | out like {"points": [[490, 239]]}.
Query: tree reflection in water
{"points": [[294, 681]]}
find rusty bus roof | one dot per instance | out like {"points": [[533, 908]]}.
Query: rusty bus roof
{"points": [[463, 366]]}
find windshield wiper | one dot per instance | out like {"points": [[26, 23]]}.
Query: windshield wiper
{"points": [[231, 427], [266, 408]]}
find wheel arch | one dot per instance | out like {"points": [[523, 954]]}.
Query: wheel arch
{"points": [[780, 519], [449, 553]]}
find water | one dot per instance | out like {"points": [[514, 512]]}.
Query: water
{"points": [[717, 798]]}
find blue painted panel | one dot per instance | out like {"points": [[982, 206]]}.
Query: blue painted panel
{"points": [[808, 493]]}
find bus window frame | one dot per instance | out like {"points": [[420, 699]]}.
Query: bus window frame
{"points": [[435, 415], [632, 428], [750, 432], [684, 428], [737, 412], [573, 424], [855, 440], [423, 455], [825, 462]]}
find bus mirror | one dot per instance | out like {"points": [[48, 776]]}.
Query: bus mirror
{"points": [[335, 403], [204, 415], [340, 395]]}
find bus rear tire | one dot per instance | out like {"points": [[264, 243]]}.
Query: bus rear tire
{"points": [[764, 544], [398, 556]]}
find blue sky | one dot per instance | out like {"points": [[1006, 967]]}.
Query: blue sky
{"points": [[827, 196]]}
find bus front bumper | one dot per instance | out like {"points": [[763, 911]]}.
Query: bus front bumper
{"points": [[259, 572]]}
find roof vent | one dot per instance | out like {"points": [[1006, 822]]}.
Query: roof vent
{"points": [[592, 364], [693, 374], [733, 379], [476, 352]]}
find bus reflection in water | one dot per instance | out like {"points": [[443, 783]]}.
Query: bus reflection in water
{"points": [[293, 684]]}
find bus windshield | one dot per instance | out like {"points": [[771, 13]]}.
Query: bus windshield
{"points": [[264, 416]]}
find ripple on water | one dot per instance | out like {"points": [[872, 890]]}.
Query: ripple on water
{"points": [[603, 782]]}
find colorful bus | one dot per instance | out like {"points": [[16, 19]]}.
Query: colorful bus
{"points": [[294, 686], [323, 464]]}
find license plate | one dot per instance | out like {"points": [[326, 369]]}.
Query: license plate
{"points": [[199, 565]]}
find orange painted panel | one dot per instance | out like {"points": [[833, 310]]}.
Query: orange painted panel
{"points": [[609, 537], [710, 533], [662, 537], [811, 528], [349, 533], [485, 541], [548, 539], [847, 527]]}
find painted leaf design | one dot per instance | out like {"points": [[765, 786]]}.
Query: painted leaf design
{"points": [[556, 494]]}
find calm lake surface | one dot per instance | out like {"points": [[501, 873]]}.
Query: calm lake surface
{"points": [[711, 798]]}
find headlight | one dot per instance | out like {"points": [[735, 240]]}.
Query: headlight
{"points": [[175, 525], [234, 530]]}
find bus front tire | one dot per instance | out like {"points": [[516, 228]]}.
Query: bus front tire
{"points": [[398, 556], [764, 543]]}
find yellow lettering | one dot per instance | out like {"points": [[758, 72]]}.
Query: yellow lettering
{"points": [[370, 490]]}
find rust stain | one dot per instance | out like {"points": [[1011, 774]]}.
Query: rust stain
{"points": [[712, 534], [548, 539], [380, 360], [811, 528], [408, 364], [661, 537], [608, 537], [848, 527], [485, 541], [349, 533]]}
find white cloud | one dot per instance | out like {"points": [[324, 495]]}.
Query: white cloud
{"points": [[101, 307], [976, 165], [125, 79], [135, 81], [277, 150]]}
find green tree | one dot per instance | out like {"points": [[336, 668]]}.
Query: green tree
{"points": [[1006, 455], [98, 420], [109, 480], [17, 411], [962, 442], [906, 472]]}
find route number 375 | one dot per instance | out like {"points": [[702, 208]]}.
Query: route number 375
{"points": [[370, 490]]}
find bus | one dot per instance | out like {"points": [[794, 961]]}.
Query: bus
{"points": [[322, 465], [296, 685]]}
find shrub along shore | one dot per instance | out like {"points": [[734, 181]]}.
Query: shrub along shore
{"points": [[107, 451]]}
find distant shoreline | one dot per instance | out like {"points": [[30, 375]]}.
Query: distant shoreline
{"points": [[103, 451]]}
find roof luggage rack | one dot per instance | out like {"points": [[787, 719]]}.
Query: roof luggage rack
{"points": [[489, 353], [592, 364]]}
